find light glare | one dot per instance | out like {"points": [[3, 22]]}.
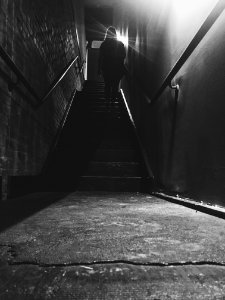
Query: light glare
{"points": [[191, 9], [122, 38]]}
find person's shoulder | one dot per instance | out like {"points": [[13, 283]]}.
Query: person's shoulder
{"points": [[120, 44], [104, 44]]}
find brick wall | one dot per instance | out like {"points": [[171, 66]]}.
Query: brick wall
{"points": [[41, 37]]}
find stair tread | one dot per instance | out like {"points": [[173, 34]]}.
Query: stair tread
{"points": [[113, 169], [114, 177], [115, 163], [106, 183]]}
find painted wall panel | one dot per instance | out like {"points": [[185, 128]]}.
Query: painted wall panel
{"points": [[185, 142]]}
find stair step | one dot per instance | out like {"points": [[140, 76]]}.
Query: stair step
{"points": [[98, 142], [118, 124], [93, 95], [104, 104], [92, 92], [104, 183], [116, 133], [115, 155], [106, 108], [106, 113], [116, 113], [122, 169], [94, 82], [117, 144]]}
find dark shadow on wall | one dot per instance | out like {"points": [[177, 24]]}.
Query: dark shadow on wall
{"points": [[41, 38], [97, 19], [18, 209], [77, 143]]}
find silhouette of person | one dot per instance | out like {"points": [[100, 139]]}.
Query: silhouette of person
{"points": [[111, 63]]}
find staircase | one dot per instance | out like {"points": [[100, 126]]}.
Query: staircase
{"points": [[97, 149], [115, 164]]}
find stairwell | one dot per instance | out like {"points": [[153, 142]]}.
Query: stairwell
{"points": [[98, 148]]}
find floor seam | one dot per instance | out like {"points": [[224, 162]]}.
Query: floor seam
{"points": [[111, 262]]}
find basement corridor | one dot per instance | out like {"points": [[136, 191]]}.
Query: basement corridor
{"points": [[97, 149], [110, 239], [112, 200]]}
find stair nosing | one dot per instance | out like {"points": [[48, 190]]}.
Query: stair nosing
{"points": [[114, 177]]}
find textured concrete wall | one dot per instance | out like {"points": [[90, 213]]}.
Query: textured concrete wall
{"points": [[41, 37], [185, 143]]}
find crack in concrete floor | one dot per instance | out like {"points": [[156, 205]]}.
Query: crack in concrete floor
{"points": [[12, 252], [125, 262], [106, 248]]}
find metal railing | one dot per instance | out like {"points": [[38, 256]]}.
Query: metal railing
{"points": [[21, 78], [58, 80], [210, 20], [141, 147], [167, 82], [63, 120]]}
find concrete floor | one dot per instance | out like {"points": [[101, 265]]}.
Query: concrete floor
{"points": [[109, 246]]}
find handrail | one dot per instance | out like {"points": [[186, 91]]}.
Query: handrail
{"points": [[57, 81], [20, 77], [142, 149], [210, 20], [62, 123]]}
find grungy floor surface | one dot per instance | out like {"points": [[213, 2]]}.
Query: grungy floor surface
{"points": [[109, 246]]}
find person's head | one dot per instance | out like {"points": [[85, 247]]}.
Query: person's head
{"points": [[110, 33]]}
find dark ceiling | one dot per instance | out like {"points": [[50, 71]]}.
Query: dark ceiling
{"points": [[99, 3], [98, 16]]}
